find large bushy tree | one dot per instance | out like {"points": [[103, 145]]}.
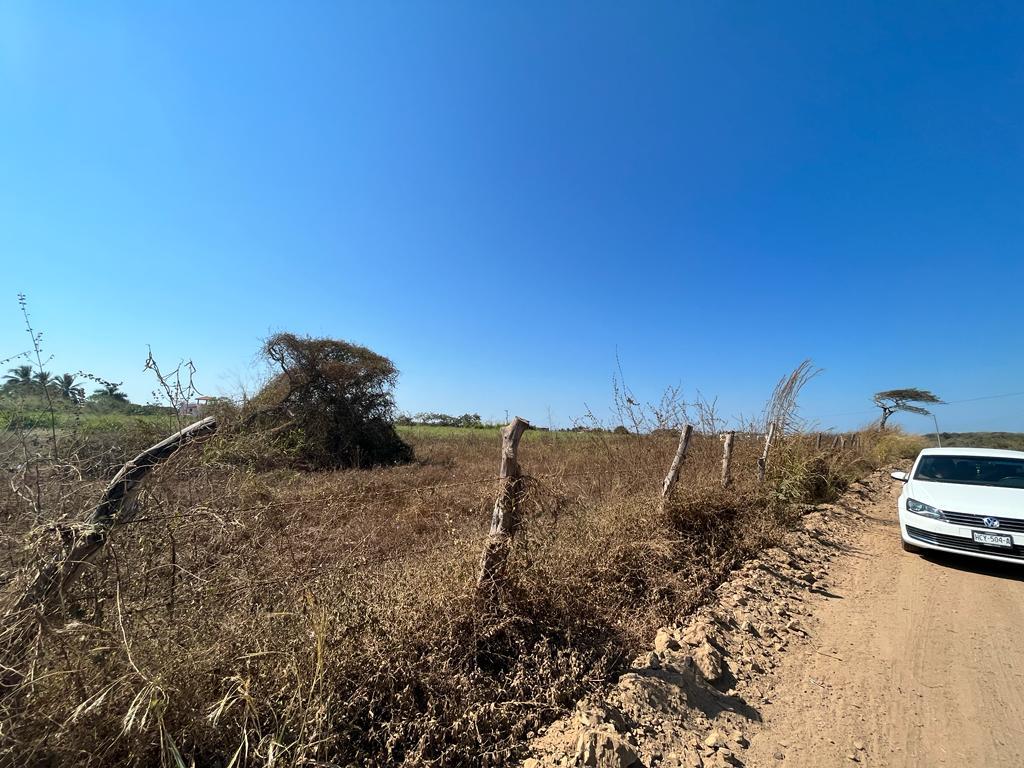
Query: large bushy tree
{"points": [[337, 397]]}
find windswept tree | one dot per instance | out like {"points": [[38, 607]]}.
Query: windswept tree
{"points": [[336, 398], [904, 400]]}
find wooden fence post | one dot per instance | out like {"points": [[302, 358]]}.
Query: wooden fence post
{"points": [[762, 463], [505, 518], [673, 471], [727, 459], [817, 442], [835, 442]]}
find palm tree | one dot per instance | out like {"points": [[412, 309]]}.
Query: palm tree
{"points": [[68, 388], [43, 379], [111, 390], [18, 378]]}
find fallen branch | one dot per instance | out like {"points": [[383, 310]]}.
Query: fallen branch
{"points": [[88, 538]]}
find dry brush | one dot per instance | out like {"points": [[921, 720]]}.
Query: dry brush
{"points": [[283, 617]]}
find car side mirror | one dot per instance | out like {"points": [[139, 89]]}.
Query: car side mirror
{"points": [[901, 476]]}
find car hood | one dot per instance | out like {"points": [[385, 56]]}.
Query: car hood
{"points": [[972, 499]]}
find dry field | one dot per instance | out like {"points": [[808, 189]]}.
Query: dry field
{"points": [[275, 617]]}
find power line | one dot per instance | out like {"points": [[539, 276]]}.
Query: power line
{"points": [[847, 413], [986, 397]]}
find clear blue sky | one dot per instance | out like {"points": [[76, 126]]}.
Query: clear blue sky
{"points": [[499, 196]]}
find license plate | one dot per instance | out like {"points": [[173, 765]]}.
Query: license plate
{"points": [[992, 539]]}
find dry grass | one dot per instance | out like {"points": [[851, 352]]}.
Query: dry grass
{"points": [[286, 618]]}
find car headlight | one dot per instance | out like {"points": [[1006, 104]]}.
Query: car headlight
{"points": [[920, 508]]}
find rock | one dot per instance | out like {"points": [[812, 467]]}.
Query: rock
{"points": [[853, 757], [531, 762], [696, 633], [647, 661], [779, 756], [677, 661], [591, 715], [665, 641], [601, 749], [793, 626], [737, 738], [708, 661], [859, 746], [714, 739], [688, 759]]}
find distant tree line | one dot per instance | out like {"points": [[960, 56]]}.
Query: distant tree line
{"points": [[470, 420], [28, 384]]}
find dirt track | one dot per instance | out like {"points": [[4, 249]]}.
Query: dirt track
{"points": [[918, 660], [835, 649]]}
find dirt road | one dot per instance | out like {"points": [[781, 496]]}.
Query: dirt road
{"points": [[914, 661], [835, 648]]}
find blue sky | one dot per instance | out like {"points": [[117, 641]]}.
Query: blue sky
{"points": [[501, 196]]}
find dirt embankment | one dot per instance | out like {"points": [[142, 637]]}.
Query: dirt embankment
{"points": [[836, 649]]}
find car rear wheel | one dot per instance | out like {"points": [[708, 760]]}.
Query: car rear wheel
{"points": [[910, 548]]}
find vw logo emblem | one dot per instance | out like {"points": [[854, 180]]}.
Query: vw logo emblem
{"points": [[991, 522]]}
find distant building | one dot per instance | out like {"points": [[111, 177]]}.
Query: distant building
{"points": [[195, 409]]}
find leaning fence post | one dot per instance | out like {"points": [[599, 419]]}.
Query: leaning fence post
{"points": [[817, 442], [727, 459], [673, 471], [505, 518], [762, 463], [835, 442]]}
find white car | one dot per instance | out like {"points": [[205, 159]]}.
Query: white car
{"points": [[964, 500]]}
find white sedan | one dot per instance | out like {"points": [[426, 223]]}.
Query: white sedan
{"points": [[964, 500]]}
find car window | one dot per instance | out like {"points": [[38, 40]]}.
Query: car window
{"points": [[972, 470]]}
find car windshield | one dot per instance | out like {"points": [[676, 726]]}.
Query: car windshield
{"points": [[972, 470]]}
